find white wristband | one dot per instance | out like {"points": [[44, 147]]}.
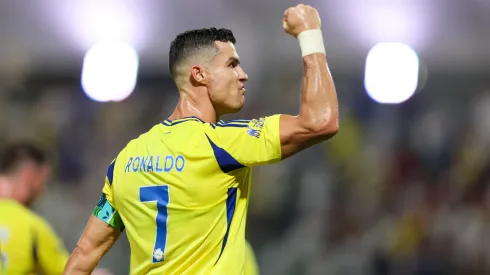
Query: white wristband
{"points": [[311, 41]]}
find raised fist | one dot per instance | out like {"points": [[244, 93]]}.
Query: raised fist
{"points": [[300, 18]]}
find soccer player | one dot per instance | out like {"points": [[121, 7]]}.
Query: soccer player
{"points": [[27, 242], [181, 190]]}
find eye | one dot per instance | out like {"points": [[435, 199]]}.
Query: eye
{"points": [[233, 64]]}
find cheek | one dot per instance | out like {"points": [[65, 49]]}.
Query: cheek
{"points": [[222, 86], [235, 77], [216, 91], [222, 81], [216, 80], [231, 79]]}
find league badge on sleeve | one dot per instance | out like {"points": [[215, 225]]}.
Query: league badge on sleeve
{"points": [[255, 127]]}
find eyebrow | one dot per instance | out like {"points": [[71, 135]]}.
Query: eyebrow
{"points": [[233, 59]]}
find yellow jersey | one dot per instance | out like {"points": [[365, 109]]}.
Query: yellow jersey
{"points": [[181, 191], [27, 242], [251, 266]]}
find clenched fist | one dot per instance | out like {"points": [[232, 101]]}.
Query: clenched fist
{"points": [[300, 18]]}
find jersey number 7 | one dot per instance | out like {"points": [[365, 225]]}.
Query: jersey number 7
{"points": [[158, 194]]}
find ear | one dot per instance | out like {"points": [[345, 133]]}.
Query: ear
{"points": [[198, 74]]}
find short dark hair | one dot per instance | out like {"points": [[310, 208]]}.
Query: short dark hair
{"points": [[190, 42], [15, 154]]}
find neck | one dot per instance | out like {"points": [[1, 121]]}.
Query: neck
{"points": [[194, 104]]}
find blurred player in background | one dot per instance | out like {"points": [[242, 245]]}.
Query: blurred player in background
{"points": [[27, 242], [181, 190]]}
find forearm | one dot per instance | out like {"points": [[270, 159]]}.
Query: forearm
{"points": [[319, 106], [96, 240], [80, 263]]}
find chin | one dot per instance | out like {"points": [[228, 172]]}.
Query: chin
{"points": [[235, 110], [240, 105], [230, 107]]}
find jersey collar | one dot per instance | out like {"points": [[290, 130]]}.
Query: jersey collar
{"points": [[168, 122]]}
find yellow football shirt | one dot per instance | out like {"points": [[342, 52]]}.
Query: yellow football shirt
{"points": [[27, 242], [181, 190], [251, 266]]}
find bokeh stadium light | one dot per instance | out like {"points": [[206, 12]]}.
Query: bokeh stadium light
{"points": [[391, 73], [110, 71]]}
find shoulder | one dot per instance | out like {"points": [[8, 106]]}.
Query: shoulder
{"points": [[20, 209], [19, 215], [38, 223], [252, 127], [237, 123], [249, 123]]}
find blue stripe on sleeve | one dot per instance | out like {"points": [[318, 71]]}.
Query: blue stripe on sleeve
{"points": [[233, 125], [239, 120], [110, 172], [233, 122], [226, 162]]}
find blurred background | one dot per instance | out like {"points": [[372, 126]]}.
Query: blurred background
{"points": [[402, 189]]}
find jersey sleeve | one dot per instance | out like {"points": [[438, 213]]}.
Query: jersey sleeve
{"points": [[105, 209], [247, 142], [49, 251]]}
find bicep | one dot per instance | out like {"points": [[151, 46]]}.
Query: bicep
{"points": [[295, 136]]}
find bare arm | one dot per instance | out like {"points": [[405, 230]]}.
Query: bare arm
{"points": [[96, 240], [318, 118]]}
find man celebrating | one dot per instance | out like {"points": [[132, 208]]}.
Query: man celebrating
{"points": [[181, 190]]}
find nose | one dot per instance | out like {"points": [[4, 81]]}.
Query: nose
{"points": [[242, 76]]}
